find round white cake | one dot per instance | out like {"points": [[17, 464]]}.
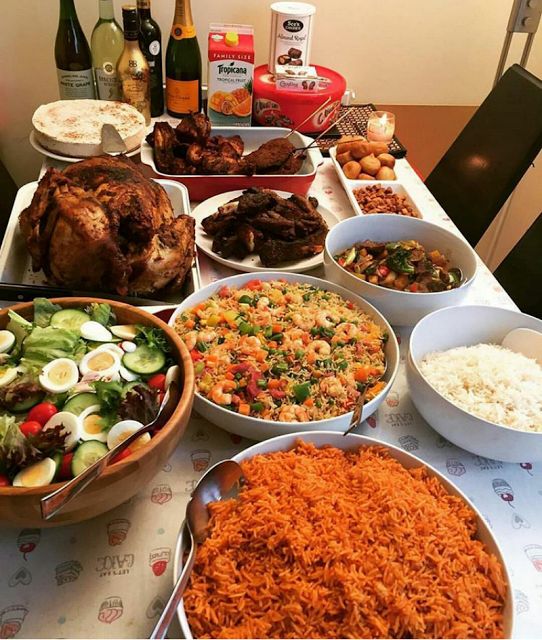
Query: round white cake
{"points": [[73, 127]]}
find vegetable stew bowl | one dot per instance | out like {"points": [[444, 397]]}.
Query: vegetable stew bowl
{"points": [[458, 327], [401, 308], [349, 442], [258, 428], [120, 481]]}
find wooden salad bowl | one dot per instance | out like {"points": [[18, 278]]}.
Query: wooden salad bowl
{"points": [[119, 482]]}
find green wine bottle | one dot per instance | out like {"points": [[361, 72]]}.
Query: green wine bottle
{"points": [[183, 64], [150, 42], [72, 56], [107, 43]]}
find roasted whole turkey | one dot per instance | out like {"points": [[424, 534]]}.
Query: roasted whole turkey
{"points": [[102, 225]]}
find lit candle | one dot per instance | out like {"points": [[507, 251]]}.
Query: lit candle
{"points": [[381, 126]]}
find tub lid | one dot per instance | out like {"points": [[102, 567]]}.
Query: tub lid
{"points": [[293, 8], [264, 83]]}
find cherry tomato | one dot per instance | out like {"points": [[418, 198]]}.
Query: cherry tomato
{"points": [[65, 470], [157, 381], [30, 428], [120, 456], [4, 481], [42, 412]]}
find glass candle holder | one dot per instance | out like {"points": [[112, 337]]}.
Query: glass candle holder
{"points": [[381, 126]]}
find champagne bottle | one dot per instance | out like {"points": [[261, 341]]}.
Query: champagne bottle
{"points": [[183, 64], [132, 67], [106, 45], [150, 42], [72, 56]]}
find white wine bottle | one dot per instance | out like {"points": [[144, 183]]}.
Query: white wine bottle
{"points": [[133, 68], [72, 56], [106, 44]]}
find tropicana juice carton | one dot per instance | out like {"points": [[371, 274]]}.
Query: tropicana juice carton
{"points": [[230, 74]]}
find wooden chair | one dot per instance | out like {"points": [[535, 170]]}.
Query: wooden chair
{"points": [[490, 156], [520, 273]]}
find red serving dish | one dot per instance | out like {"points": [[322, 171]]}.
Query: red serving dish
{"points": [[203, 187]]}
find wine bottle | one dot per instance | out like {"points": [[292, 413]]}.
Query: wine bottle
{"points": [[72, 56], [150, 42], [106, 45], [183, 64], [133, 68]]}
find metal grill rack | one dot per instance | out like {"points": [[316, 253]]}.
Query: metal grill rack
{"points": [[356, 124]]}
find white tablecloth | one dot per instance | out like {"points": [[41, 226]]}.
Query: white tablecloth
{"points": [[110, 576]]}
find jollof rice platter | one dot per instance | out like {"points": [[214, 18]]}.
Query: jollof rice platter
{"points": [[323, 543], [283, 351]]}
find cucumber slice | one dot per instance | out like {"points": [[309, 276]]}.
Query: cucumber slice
{"points": [[144, 360], [71, 319], [86, 454], [28, 403], [77, 404]]}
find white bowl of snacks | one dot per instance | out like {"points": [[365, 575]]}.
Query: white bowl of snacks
{"points": [[404, 266], [478, 395], [285, 352], [341, 515]]}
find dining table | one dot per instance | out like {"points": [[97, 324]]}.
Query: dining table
{"points": [[109, 577]]}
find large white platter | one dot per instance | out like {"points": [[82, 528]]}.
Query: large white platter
{"points": [[15, 261], [252, 262], [55, 156]]}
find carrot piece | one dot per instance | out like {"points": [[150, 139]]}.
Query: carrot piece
{"points": [[362, 373], [244, 408], [276, 328], [189, 324], [309, 402], [273, 384], [224, 291], [254, 285], [229, 375]]}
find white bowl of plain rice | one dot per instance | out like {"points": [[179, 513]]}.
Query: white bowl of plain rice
{"points": [[478, 395]]}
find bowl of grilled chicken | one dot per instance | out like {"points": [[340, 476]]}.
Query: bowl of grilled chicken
{"points": [[212, 161]]}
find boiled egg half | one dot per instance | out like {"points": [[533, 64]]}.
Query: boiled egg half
{"points": [[36, 475], [122, 430], [7, 340], [103, 361], [125, 331], [95, 331], [71, 424], [8, 375], [91, 424], [59, 375]]}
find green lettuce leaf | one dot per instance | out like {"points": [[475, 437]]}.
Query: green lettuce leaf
{"points": [[102, 313], [43, 311], [46, 344], [109, 397]]}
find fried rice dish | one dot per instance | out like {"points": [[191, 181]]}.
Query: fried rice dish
{"points": [[323, 543], [283, 351]]}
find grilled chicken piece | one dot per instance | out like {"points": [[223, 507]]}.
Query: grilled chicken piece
{"points": [[194, 128], [270, 156], [102, 225], [274, 252]]}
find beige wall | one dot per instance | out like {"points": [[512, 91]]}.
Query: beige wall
{"points": [[433, 52]]}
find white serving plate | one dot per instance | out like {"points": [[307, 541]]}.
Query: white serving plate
{"points": [[354, 441], [251, 263], [15, 261], [257, 428], [351, 185], [55, 156], [202, 187]]}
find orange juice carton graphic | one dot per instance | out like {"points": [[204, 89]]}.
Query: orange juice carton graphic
{"points": [[230, 74]]}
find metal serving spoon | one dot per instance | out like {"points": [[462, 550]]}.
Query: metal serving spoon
{"points": [[221, 482], [55, 501], [358, 409]]}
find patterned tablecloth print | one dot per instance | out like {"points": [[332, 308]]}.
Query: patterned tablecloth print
{"points": [[109, 577]]}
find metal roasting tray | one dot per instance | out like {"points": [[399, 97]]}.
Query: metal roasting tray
{"points": [[15, 261]]}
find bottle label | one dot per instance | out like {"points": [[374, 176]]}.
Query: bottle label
{"points": [[107, 82], [136, 93], [180, 31], [75, 84], [182, 96], [154, 48]]}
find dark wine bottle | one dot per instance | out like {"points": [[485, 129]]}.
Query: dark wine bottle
{"points": [[72, 56], [183, 64], [150, 42]]}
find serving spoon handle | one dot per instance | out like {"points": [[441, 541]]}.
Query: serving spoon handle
{"points": [[54, 502], [172, 604]]}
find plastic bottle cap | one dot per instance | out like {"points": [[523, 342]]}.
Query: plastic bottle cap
{"points": [[231, 39]]}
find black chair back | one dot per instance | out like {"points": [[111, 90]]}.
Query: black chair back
{"points": [[490, 156], [520, 273]]}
